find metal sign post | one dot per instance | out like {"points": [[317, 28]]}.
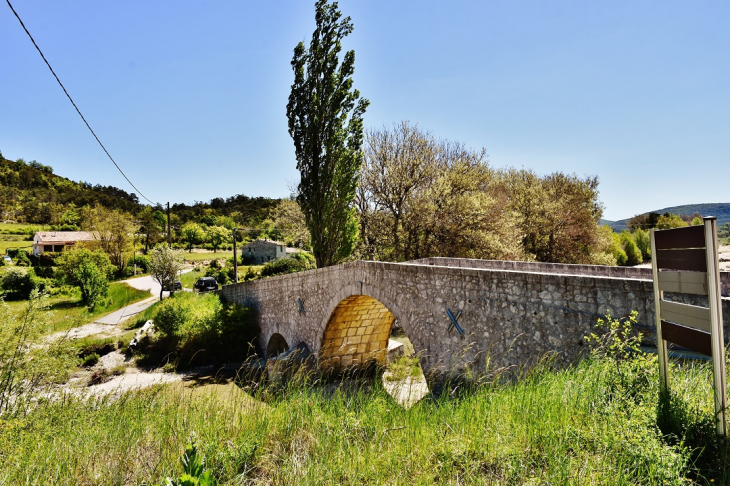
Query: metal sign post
{"points": [[684, 261]]}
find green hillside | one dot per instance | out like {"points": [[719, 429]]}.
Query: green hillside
{"points": [[31, 193], [720, 210]]}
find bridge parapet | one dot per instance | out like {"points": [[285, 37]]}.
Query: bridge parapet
{"points": [[641, 273]]}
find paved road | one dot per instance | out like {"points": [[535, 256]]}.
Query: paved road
{"points": [[141, 283]]}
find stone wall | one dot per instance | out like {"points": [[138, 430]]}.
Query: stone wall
{"points": [[510, 318]]}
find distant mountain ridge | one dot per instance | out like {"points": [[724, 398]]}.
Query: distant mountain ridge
{"points": [[720, 210]]}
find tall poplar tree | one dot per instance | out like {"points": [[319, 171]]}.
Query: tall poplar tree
{"points": [[325, 120]]}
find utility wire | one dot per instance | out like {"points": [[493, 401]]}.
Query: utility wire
{"points": [[74, 104]]}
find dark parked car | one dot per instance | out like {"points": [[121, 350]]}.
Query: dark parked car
{"points": [[204, 284], [175, 287]]}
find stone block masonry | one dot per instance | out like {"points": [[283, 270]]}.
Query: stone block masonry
{"points": [[510, 317]]}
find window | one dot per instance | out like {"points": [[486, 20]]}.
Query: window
{"points": [[47, 247]]}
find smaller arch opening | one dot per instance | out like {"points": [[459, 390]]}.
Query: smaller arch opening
{"points": [[277, 345]]}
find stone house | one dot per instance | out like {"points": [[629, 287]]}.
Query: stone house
{"points": [[263, 251], [57, 241]]}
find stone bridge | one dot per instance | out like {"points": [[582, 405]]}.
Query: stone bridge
{"points": [[511, 313]]}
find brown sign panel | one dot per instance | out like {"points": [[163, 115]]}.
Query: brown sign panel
{"points": [[688, 237], [694, 260], [687, 337]]}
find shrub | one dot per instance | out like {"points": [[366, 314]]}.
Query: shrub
{"points": [[19, 256], [47, 259], [724, 231], [643, 241], [669, 221], [616, 249], [633, 254], [92, 282], [197, 329], [142, 261], [89, 270], [173, 315], [45, 272], [70, 261], [297, 263], [90, 360], [18, 283]]}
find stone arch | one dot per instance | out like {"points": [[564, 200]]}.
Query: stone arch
{"points": [[277, 345], [356, 333]]}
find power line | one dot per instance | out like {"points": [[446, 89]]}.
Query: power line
{"points": [[74, 104]]}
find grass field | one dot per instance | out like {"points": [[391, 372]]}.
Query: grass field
{"points": [[20, 228], [208, 255], [68, 312], [188, 279], [5, 244], [16, 235]]}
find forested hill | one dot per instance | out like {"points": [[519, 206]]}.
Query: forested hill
{"points": [[31, 193], [720, 210]]}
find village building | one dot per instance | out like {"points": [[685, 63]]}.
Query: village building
{"points": [[58, 241], [263, 251]]}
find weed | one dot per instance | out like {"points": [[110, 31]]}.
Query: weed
{"points": [[90, 360]]}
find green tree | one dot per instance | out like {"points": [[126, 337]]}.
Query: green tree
{"points": [[617, 250], [696, 221], [89, 270], [325, 121], [150, 226], [165, 264], [669, 221], [69, 261], [724, 231], [193, 234], [288, 218], [643, 241], [113, 230], [633, 253], [92, 282], [71, 217], [18, 283], [217, 235]]}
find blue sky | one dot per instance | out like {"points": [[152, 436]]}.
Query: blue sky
{"points": [[190, 97]]}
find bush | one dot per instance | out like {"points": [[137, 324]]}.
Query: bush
{"points": [[297, 263], [616, 249], [643, 241], [142, 261], [92, 282], [633, 254], [19, 256], [18, 283], [173, 315], [90, 360], [89, 270], [45, 272], [223, 276], [198, 329]]}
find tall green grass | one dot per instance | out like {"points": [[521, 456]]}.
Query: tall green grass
{"points": [[552, 427], [598, 422]]}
